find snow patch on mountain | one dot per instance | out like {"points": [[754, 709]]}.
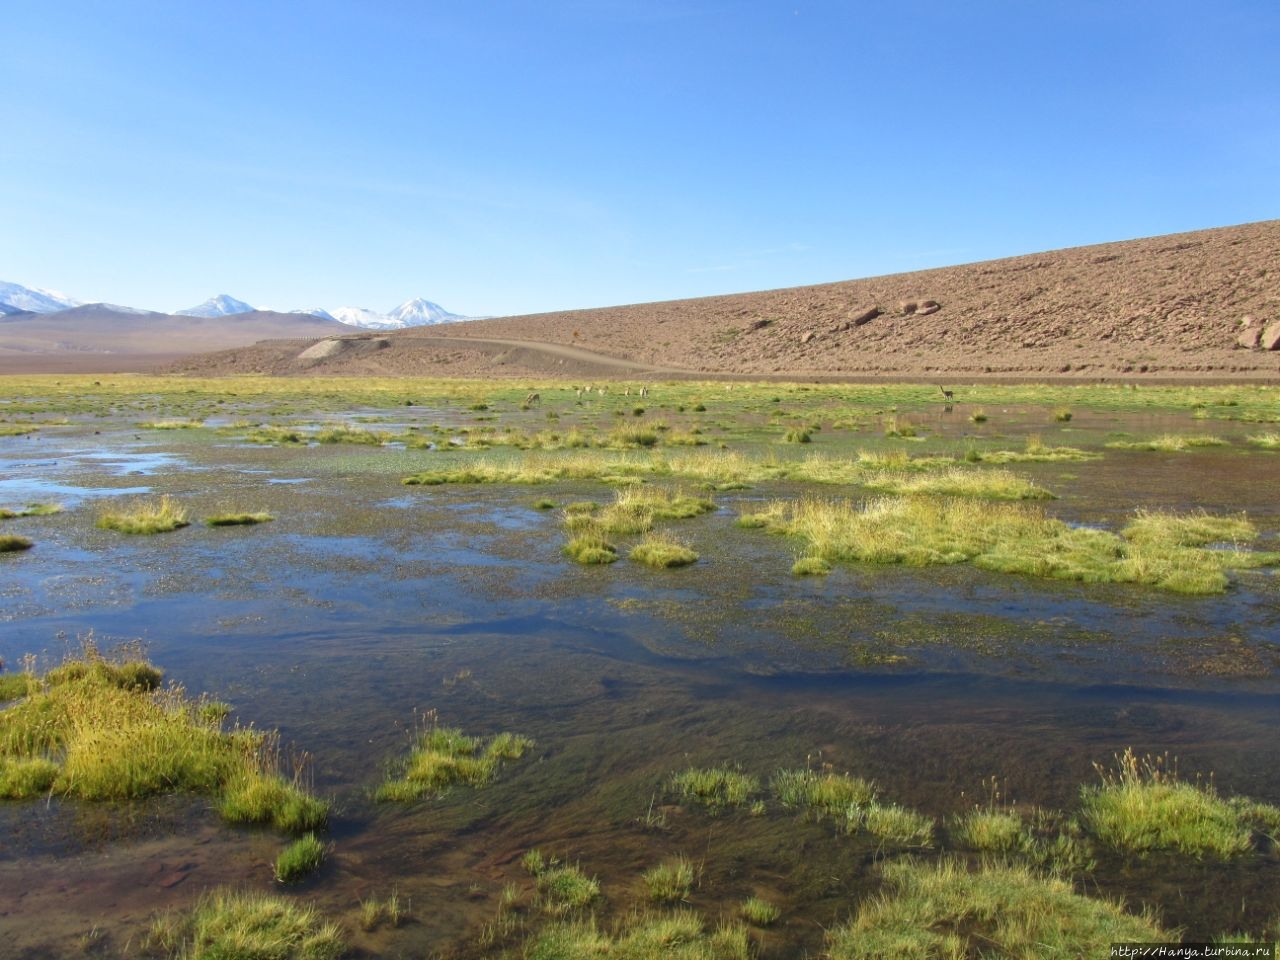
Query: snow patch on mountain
{"points": [[318, 312], [411, 313], [34, 299], [220, 306]]}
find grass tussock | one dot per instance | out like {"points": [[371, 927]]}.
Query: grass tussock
{"points": [[680, 935], [12, 543], [1035, 451], [31, 510], [759, 912], [670, 881], [662, 551], [1013, 538], [715, 787], [960, 482], [823, 793], [239, 519], [299, 859], [444, 756], [98, 729], [1267, 441], [1170, 443], [160, 515], [232, 925], [944, 910], [1142, 806]]}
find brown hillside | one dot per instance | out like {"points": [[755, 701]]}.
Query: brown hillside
{"points": [[1184, 306]]}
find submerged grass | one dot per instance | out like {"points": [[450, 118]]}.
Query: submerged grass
{"points": [[31, 510], [444, 756], [1170, 443], [1011, 538], [944, 910], [145, 517], [239, 519]]}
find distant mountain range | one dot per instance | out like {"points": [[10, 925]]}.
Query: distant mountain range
{"points": [[17, 299]]}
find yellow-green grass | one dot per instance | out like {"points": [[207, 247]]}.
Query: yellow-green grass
{"points": [[670, 881], [341, 433], [590, 547], [444, 756], [823, 793], [680, 935], [1009, 538], [759, 912], [240, 925], [715, 787], [943, 910], [564, 889], [31, 510], [12, 543], [992, 831], [145, 517], [1268, 441], [257, 794], [662, 551], [101, 730], [285, 435], [1035, 452], [959, 482], [891, 823], [14, 685], [238, 519], [374, 911], [171, 424], [1188, 530], [299, 859], [1142, 806], [17, 430], [1170, 443]]}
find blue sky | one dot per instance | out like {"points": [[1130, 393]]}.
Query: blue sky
{"points": [[512, 157]]}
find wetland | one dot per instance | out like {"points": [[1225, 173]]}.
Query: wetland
{"points": [[781, 670]]}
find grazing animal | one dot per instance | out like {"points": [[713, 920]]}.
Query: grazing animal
{"points": [[946, 394], [531, 399], [644, 391]]}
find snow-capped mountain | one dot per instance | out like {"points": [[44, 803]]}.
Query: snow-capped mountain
{"points": [[412, 313], [220, 306], [361, 317], [33, 299], [319, 312]]}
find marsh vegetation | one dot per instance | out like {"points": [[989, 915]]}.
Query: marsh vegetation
{"points": [[731, 760]]}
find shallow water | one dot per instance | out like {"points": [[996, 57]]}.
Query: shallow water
{"points": [[367, 603]]}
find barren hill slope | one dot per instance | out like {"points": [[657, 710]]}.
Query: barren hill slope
{"points": [[1173, 307]]}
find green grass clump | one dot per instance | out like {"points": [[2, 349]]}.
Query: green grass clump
{"points": [[1169, 443], [564, 889], [443, 756], [992, 831], [669, 881], [959, 482], [590, 548], [31, 510], [239, 519], [232, 925], [14, 685], [171, 425], [145, 517], [944, 910], [1267, 441], [1009, 538], [680, 935], [891, 823], [759, 912], [9, 543], [108, 731], [1187, 530], [811, 567], [1035, 451], [342, 433], [661, 551], [797, 435], [262, 796], [715, 787], [299, 859], [1142, 806], [824, 793], [281, 435]]}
